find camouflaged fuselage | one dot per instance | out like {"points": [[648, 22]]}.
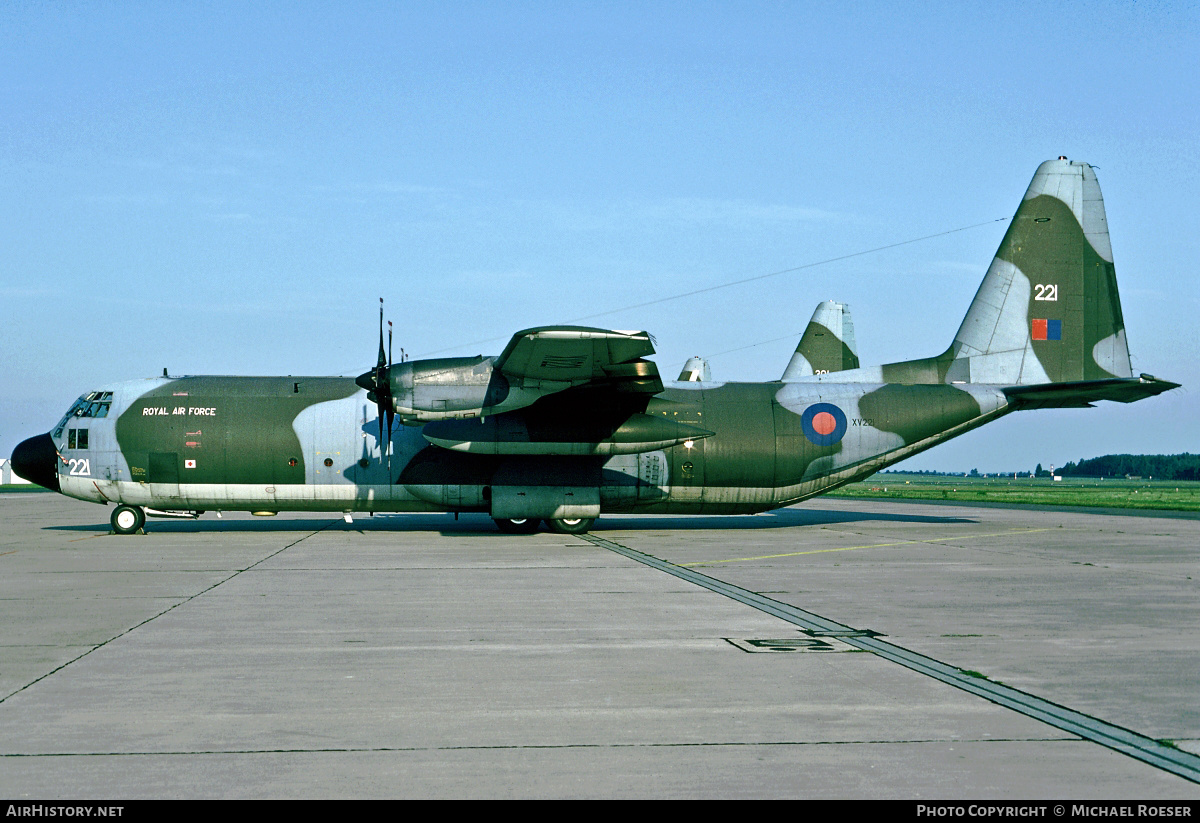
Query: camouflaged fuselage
{"points": [[311, 443]]}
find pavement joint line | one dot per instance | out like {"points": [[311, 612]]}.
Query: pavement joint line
{"points": [[172, 607], [681, 744], [1138, 746]]}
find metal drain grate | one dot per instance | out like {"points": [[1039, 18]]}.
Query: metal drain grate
{"points": [[790, 644]]}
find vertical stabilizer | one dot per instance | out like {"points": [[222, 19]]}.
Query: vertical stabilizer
{"points": [[827, 345], [1048, 309], [695, 370]]}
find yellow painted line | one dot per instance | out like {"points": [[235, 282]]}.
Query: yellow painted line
{"points": [[874, 546]]}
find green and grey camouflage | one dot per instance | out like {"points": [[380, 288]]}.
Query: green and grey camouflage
{"points": [[570, 422]]}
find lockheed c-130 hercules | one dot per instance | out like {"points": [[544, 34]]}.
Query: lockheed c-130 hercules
{"points": [[569, 422]]}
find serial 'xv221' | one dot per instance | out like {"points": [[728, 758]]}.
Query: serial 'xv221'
{"points": [[569, 422]]}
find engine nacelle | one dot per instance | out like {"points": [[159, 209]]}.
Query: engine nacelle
{"points": [[456, 388], [536, 362]]}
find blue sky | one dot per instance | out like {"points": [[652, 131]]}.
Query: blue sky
{"points": [[229, 187]]}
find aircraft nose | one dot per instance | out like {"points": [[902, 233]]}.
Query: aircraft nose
{"points": [[36, 460]]}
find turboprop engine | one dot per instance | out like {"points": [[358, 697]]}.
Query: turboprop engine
{"points": [[455, 388], [536, 363]]}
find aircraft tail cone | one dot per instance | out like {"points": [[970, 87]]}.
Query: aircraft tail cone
{"points": [[36, 460]]}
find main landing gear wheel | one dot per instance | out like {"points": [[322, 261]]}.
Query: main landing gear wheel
{"points": [[571, 525], [520, 525], [127, 519]]}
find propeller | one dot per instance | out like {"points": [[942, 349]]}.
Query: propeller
{"points": [[376, 382]]}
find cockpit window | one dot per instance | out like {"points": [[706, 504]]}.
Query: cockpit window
{"points": [[92, 404]]}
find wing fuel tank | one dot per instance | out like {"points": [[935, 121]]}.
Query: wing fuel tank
{"points": [[514, 435]]}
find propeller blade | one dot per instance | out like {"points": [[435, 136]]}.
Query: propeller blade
{"points": [[390, 411], [382, 388], [377, 382], [380, 363]]}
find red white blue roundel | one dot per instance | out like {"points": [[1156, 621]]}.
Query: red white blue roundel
{"points": [[824, 424]]}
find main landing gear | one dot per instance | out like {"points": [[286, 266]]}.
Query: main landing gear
{"points": [[571, 525], [529, 525], [517, 525], [127, 519]]}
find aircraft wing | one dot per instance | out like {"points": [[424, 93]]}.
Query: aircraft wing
{"points": [[579, 355]]}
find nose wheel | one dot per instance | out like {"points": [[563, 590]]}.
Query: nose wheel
{"points": [[127, 519]]}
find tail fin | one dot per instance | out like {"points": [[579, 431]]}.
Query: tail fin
{"points": [[695, 370], [1048, 309], [827, 345]]}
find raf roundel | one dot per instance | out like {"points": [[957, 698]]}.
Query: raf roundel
{"points": [[824, 424]]}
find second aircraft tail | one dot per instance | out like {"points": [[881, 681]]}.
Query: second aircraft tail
{"points": [[827, 344]]}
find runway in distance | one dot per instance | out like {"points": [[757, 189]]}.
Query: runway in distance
{"points": [[570, 422]]}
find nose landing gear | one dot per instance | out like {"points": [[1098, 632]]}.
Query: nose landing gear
{"points": [[127, 519]]}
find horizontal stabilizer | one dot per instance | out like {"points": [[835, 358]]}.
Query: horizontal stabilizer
{"points": [[1082, 393]]}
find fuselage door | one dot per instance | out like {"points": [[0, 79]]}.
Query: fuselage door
{"points": [[163, 474], [687, 472], [687, 459]]}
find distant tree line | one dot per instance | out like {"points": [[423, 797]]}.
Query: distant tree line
{"points": [[926, 472], [1159, 466]]}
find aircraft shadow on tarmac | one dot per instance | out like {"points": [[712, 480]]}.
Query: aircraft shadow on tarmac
{"points": [[472, 525]]}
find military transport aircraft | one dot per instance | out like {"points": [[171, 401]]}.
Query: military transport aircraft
{"points": [[569, 422]]}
